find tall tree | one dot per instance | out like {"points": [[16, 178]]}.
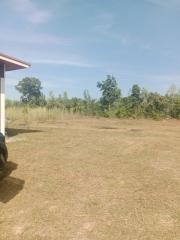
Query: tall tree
{"points": [[136, 91], [87, 96], [110, 91], [172, 91], [30, 88]]}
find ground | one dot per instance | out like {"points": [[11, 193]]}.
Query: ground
{"points": [[86, 179]]}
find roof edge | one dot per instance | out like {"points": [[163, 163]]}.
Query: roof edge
{"points": [[15, 59]]}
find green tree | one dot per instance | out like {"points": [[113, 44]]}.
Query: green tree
{"points": [[175, 107], [136, 91], [110, 91], [87, 96], [30, 88], [172, 91], [156, 106], [66, 101], [135, 100]]}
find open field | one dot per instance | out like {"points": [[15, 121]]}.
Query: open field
{"points": [[83, 178]]}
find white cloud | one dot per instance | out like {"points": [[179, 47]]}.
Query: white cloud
{"points": [[165, 3], [75, 63], [104, 23], [30, 11], [167, 79], [162, 78], [106, 27], [32, 38], [147, 46]]}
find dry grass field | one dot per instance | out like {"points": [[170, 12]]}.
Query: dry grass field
{"points": [[92, 179]]}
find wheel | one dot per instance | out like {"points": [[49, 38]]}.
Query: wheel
{"points": [[2, 160], [3, 151]]}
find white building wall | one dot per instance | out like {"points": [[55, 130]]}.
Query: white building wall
{"points": [[2, 99]]}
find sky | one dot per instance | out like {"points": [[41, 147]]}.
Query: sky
{"points": [[72, 44]]}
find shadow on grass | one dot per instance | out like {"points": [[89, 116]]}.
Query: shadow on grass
{"points": [[9, 186], [11, 132]]}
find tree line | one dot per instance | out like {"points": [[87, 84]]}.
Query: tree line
{"points": [[140, 103]]}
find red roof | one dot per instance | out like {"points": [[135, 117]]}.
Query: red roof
{"points": [[12, 63]]}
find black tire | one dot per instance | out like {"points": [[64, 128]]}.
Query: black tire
{"points": [[2, 161], [3, 151]]}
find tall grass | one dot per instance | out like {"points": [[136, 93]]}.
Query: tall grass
{"points": [[39, 114]]}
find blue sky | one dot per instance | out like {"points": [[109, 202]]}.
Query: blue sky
{"points": [[72, 44]]}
